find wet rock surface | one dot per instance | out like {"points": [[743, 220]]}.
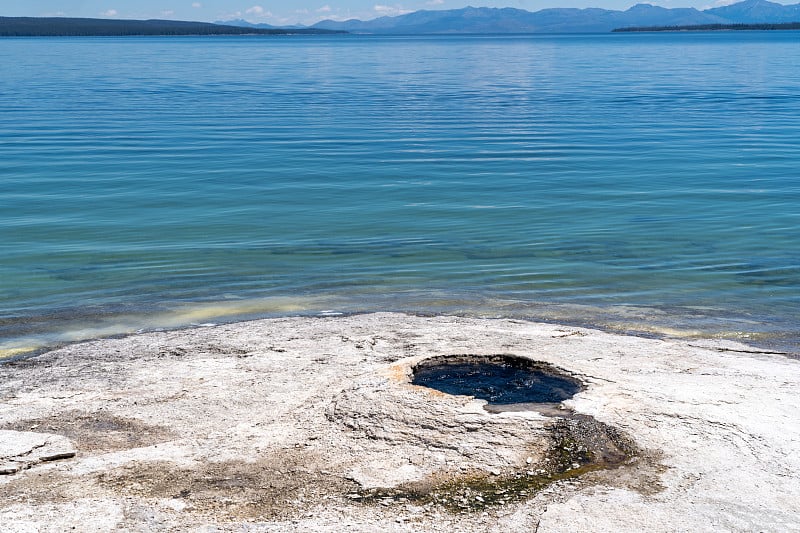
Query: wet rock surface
{"points": [[97, 431], [314, 424]]}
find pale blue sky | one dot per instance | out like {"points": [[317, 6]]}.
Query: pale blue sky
{"points": [[301, 11]]}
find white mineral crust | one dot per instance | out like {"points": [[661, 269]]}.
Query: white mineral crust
{"points": [[286, 424]]}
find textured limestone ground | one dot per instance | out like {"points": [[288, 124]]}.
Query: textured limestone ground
{"points": [[309, 424]]}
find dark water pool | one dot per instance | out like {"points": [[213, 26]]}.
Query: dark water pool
{"points": [[498, 379]]}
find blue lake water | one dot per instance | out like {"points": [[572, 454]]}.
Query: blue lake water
{"points": [[636, 182]]}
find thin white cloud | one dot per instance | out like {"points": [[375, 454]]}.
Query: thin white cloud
{"points": [[324, 9], [434, 2], [718, 3], [342, 17], [167, 13], [109, 13], [390, 10], [258, 12], [197, 5]]}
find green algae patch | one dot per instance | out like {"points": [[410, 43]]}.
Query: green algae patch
{"points": [[579, 445]]}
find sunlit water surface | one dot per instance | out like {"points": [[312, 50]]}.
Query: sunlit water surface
{"points": [[644, 182]]}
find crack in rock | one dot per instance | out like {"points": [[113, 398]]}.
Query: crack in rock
{"points": [[20, 450]]}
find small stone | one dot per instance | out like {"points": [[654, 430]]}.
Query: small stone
{"points": [[9, 468], [176, 505]]}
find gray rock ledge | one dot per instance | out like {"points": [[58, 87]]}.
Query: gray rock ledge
{"points": [[20, 450]]}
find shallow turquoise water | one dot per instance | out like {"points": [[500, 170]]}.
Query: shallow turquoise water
{"points": [[644, 182]]}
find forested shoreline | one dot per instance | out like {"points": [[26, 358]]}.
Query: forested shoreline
{"points": [[86, 27], [714, 27]]}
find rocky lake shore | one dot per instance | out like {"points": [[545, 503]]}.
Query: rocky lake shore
{"points": [[313, 424]]}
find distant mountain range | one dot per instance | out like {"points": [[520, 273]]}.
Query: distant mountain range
{"points": [[260, 26], [453, 21], [560, 20]]}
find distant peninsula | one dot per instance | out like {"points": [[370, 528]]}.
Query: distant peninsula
{"points": [[87, 27], [715, 27]]}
